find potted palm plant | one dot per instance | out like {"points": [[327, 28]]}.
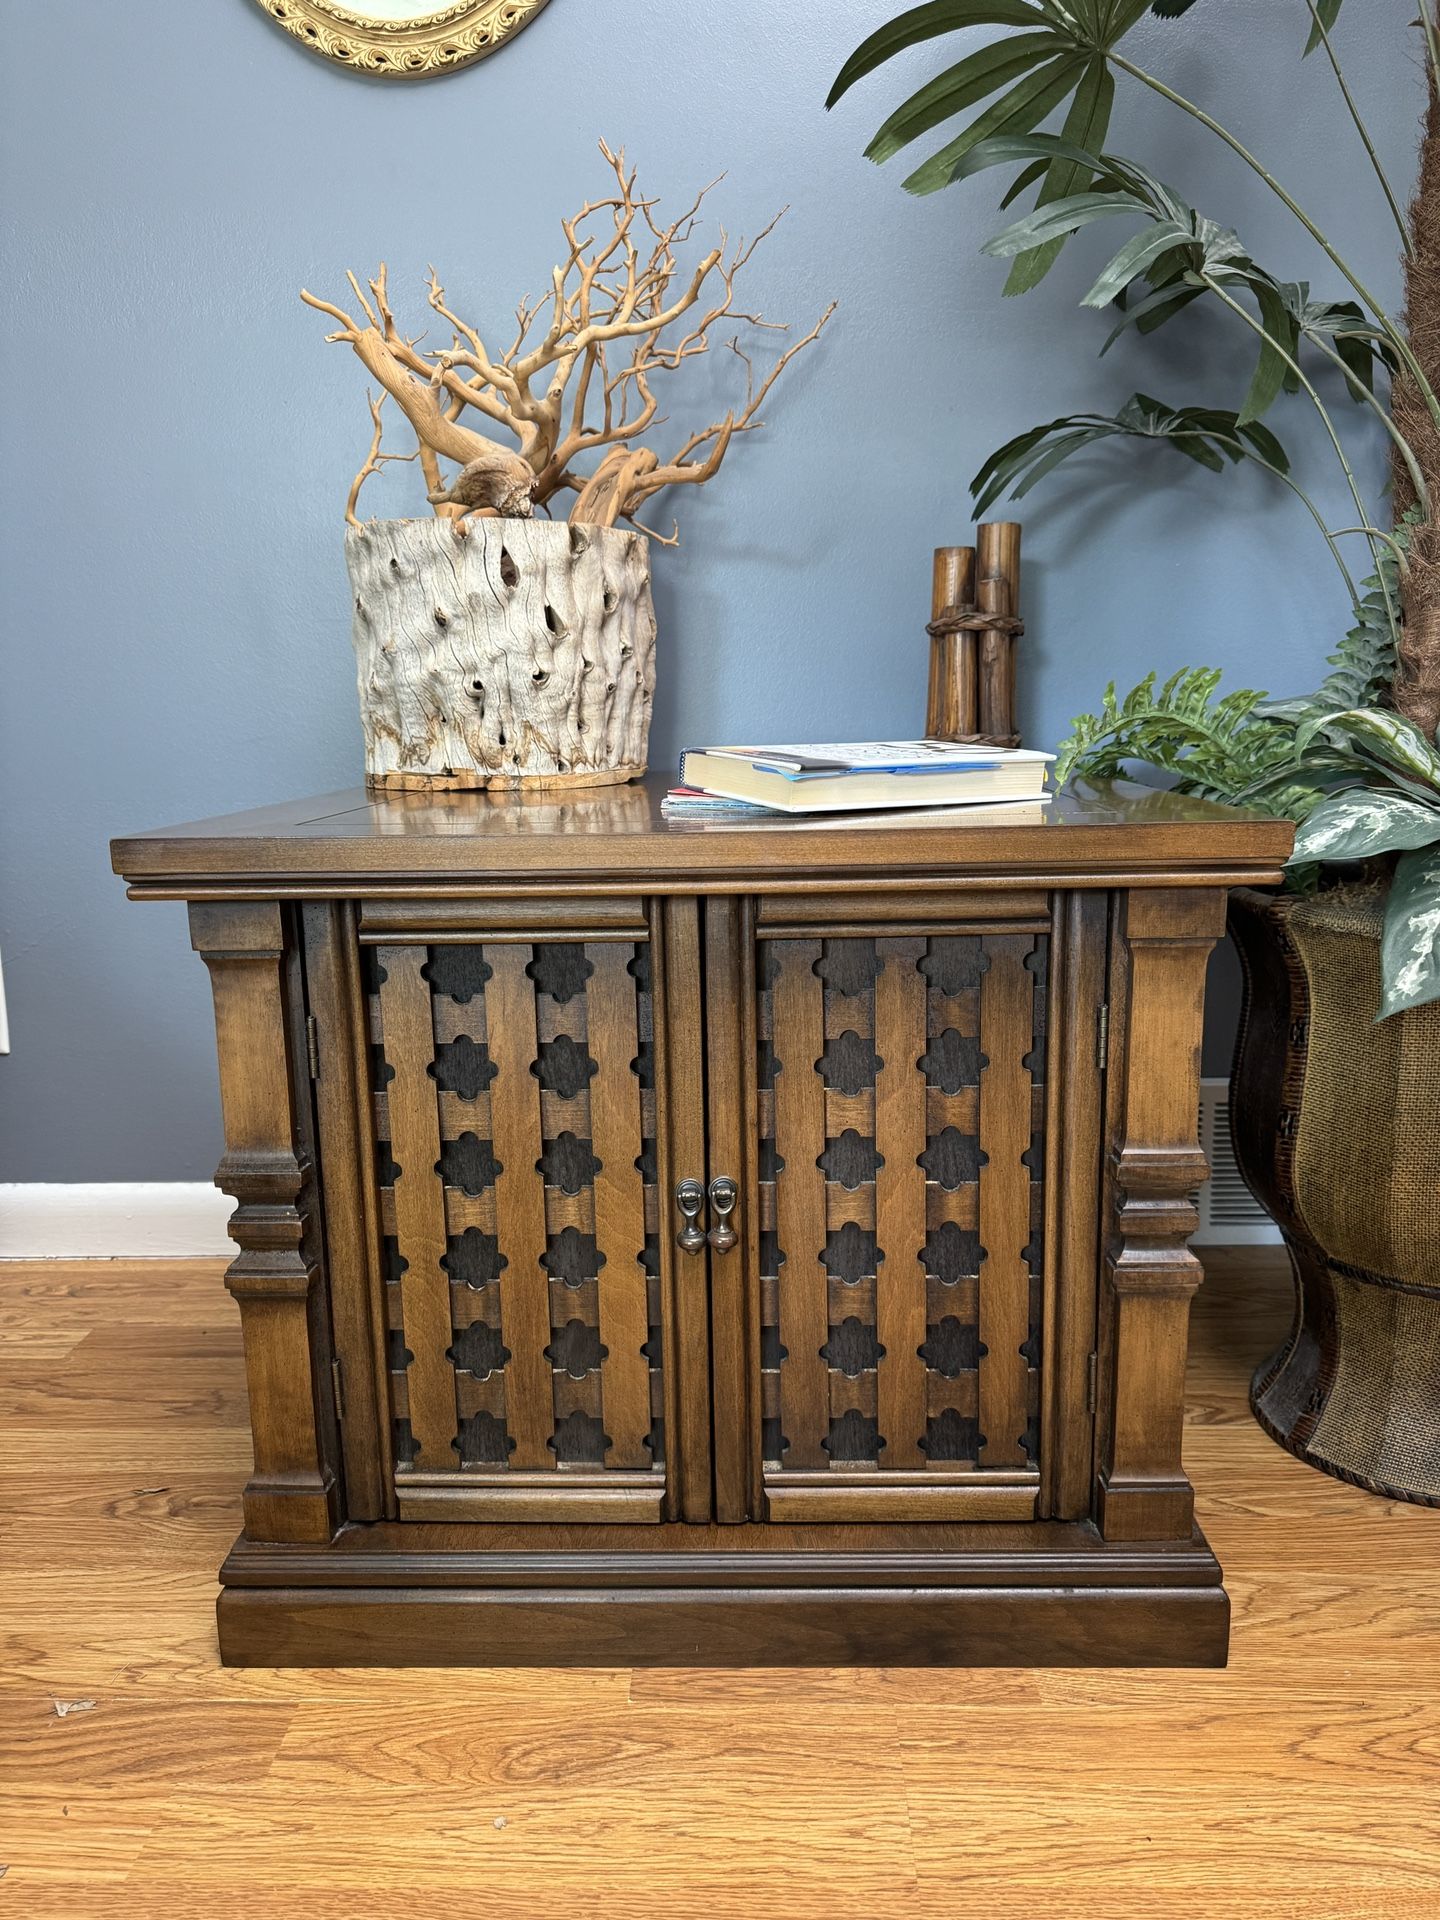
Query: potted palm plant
{"points": [[1337, 1076]]}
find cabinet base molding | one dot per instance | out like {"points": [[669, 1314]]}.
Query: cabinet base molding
{"points": [[1048, 1594]]}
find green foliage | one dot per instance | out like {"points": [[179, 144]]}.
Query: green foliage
{"points": [[1362, 668], [1062, 56], [1206, 435], [1217, 747]]}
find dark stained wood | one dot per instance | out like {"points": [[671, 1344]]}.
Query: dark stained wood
{"points": [[797, 998], [1163, 944], [619, 1204], [352, 1239], [409, 1041], [520, 1206], [448, 843], [1005, 1039], [731, 1147], [900, 1202], [880, 1158], [1076, 1079], [679, 969], [293, 1493]]}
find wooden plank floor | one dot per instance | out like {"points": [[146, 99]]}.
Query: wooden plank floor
{"points": [[138, 1778]]}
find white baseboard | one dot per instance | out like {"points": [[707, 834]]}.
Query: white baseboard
{"points": [[125, 1220]]}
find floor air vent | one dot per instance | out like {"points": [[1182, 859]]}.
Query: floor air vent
{"points": [[1229, 1217]]}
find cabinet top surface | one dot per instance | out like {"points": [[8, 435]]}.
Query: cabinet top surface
{"points": [[338, 843]]}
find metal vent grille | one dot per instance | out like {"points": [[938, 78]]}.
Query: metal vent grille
{"points": [[1229, 1216]]}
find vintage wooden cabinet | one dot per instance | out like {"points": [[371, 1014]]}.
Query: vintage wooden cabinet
{"points": [[712, 1243]]}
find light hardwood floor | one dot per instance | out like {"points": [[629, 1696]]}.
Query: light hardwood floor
{"points": [[138, 1778]]}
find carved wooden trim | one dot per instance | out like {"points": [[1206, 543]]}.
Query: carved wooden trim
{"points": [[1159, 958], [294, 1493]]}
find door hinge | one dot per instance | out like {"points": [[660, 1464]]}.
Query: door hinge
{"points": [[312, 1045], [338, 1380], [1102, 1035], [1092, 1377]]}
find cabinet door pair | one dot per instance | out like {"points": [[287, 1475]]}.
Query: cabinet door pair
{"points": [[721, 1210]]}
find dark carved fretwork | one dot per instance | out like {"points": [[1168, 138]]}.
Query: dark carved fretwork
{"points": [[560, 970], [572, 1257], [851, 1160], [955, 965], [564, 1067], [855, 1436], [473, 1259], [407, 1448], [952, 1435], [458, 972], [952, 1060], [853, 1348], [580, 1439], [462, 1066], [850, 1253], [951, 1347], [851, 967], [576, 1349], [483, 1441], [568, 1163], [468, 1163], [849, 1063], [952, 1253], [952, 1159], [479, 1350], [772, 1351], [773, 1444]]}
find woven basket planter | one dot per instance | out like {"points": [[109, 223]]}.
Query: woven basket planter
{"points": [[1336, 1122]]}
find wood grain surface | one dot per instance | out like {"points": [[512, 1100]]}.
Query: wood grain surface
{"points": [[138, 1778]]}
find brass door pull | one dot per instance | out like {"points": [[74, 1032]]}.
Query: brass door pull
{"points": [[690, 1198], [723, 1195]]}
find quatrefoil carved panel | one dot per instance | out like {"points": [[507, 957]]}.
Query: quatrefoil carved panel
{"points": [[483, 1441], [572, 1257], [468, 1163], [474, 1259], [479, 1350], [458, 972], [560, 970], [849, 1063], [576, 1349], [853, 1348], [568, 1162], [580, 1439], [462, 1067], [564, 1067], [854, 1436], [850, 1253]]}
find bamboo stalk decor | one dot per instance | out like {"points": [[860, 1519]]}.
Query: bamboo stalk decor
{"points": [[974, 624]]}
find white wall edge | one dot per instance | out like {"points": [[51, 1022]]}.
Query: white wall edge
{"points": [[123, 1220]]}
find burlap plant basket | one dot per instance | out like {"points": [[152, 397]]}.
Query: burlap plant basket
{"points": [[1336, 1122]]}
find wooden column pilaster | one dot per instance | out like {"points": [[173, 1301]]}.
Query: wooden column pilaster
{"points": [[1162, 945], [294, 1494]]}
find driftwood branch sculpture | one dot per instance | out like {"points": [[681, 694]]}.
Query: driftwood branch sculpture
{"points": [[578, 379]]}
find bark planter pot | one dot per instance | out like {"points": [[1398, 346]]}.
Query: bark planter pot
{"points": [[502, 653], [1336, 1123]]}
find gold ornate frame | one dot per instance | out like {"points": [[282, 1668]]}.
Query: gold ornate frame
{"points": [[447, 38]]}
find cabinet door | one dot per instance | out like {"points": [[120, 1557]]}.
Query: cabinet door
{"points": [[900, 1096], [512, 1087]]}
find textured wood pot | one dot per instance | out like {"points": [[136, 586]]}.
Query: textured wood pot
{"points": [[1334, 1122], [502, 653]]}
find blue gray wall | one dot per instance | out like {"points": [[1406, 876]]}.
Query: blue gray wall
{"points": [[177, 440]]}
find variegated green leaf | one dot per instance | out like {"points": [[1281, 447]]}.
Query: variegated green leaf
{"points": [[1384, 737], [1410, 945], [1364, 821]]}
